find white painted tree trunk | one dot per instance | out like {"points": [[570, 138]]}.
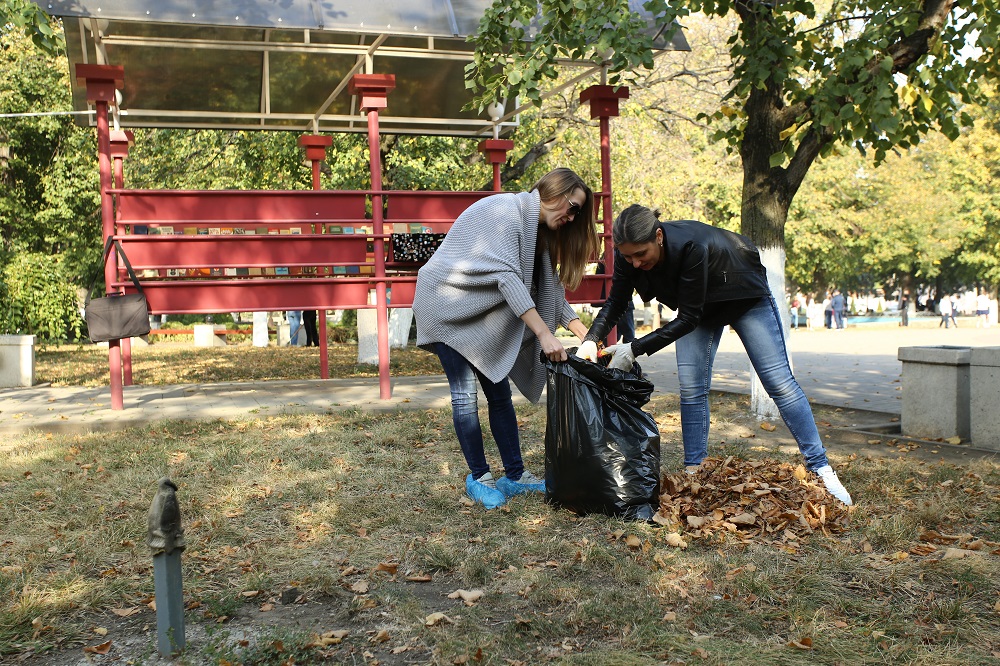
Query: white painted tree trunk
{"points": [[773, 258]]}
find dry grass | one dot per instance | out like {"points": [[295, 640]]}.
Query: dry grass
{"points": [[182, 363], [352, 509]]}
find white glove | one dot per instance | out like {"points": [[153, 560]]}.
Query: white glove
{"points": [[588, 351], [622, 356]]}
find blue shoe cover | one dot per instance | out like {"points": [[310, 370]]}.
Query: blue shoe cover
{"points": [[491, 498], [528, 483]]}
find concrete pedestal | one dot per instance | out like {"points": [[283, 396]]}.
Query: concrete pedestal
{"points": [[400, 320], [284, 334], [984, 408], [936, 392], [368, 336], [260, 329], [205, 335], [17, 360]]}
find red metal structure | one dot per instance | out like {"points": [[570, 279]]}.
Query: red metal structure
{"points": [[287, 250]]}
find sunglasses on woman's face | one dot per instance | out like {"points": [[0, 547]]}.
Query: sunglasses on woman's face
{"points": [[574, 207]]}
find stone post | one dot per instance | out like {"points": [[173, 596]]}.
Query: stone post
{"points": [[984, 390], [166, 542]]}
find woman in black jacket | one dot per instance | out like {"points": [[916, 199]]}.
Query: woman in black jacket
{"points": [[712, 278]]}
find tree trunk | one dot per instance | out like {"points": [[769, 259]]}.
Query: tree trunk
{"points": [[766, 199]]}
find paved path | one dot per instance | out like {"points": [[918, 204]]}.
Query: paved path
{"points": [[855, 368]]}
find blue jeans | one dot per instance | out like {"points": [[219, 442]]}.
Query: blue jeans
{"points": [[465, 415], [760, 331], [294, 324]]}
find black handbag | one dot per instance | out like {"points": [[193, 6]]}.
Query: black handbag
{"points": [[415, 248], [116, 316]]}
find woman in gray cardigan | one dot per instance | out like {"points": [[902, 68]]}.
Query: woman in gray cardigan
{"points": [[488, 303]]}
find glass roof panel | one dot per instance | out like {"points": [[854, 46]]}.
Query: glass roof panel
{"points": [[276, 64]]}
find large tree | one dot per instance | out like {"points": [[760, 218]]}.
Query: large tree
{"points": [[807, 76]]}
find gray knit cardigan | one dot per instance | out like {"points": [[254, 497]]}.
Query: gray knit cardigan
{"points": [[472, 292]]}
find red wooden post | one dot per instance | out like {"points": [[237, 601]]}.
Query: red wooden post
{"points": [[603, 101], [316, 145], [101, 82], [121, 141], [373, 89], [496, 152]]}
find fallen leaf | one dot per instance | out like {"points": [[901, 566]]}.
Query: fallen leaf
{"points": [[744, 519], [956, 553], [632, 541], [674, 539], [954, 440], [468, 596], [103, 648], [327, 639], [696, 521], [701, 653], [804, 643], [265, 608], [800, 473], [250, 593], [361, 587], [420, 578], [381, 637], [670, 616], [769, 427], [126, 612], [100, 631], [388, 567], [437, 618]]}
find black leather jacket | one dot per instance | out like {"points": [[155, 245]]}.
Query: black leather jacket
{"points": [[708, 275]]}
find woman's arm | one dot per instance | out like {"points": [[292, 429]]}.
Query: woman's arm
{"points": [[551, 346], [692, 289], [614, 306]]}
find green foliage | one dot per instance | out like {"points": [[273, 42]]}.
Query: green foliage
{"points": [[38, 298], [28, 19]]}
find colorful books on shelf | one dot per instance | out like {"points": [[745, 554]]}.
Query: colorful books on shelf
{"points": [[214, 231], [175, 272], [273, 231], [215, 272], [255, 271], [260, 231], [140, 229], [229, 271], [202, 231], [295, 231], [227, 231], [334, 229], [243, 271], [190, 231], [281, 270], [165, 230], [238, 231]]}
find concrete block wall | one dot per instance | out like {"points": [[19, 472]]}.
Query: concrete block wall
{"points": [[936, 392]]}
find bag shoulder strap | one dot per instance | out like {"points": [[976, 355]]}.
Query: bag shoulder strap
{"points": [[104, 257]]}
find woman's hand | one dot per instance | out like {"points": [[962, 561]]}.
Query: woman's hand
{"points": [[552, 348], [622, 356]]}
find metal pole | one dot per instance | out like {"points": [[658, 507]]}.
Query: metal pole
{"points": [[108, 227], [382, 308], [166, 542]]}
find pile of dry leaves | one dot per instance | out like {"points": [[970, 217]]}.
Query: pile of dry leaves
{"points": [[749, 500]]}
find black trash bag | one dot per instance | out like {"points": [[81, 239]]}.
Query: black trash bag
{"points": [[602, 451]]}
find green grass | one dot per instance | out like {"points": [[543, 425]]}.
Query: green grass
{"points": [[330, 504]]}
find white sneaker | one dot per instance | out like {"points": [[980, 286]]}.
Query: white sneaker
{"points": [[833, 484]]}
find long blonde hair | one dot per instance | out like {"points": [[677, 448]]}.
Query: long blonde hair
{"points": [[576, 243]]}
